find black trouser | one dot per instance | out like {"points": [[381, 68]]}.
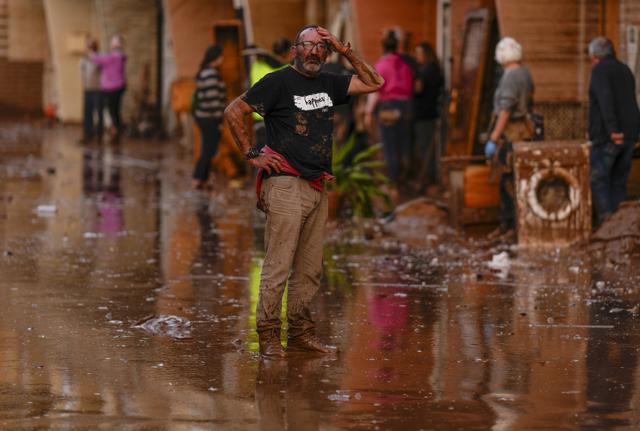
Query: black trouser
{"points": [[113, 100], [507, 188], [92, 105], [210, 137]]}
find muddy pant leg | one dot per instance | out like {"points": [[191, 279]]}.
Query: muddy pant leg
{"points": [[87, 115], [210, 137], [424, 155], [507, 187], [602, 158], [99, 108], [284, 219], [304, 281], [404, 138], [390, 151], [507, 206], [620, 174]]}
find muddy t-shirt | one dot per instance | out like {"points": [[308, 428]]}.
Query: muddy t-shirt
{"points": [[298, 115]]}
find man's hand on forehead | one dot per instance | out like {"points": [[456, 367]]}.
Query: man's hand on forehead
{"points": [[333, 41]]}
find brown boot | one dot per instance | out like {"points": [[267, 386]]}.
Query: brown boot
{"points": [[269, 342], [308, 342]]}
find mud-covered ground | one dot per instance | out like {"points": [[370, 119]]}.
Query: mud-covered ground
{"points": [[128, 303]]}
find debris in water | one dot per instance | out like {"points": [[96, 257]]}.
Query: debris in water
{"points": [[539, 325], [500, 264], [92, 235], [45, 210], [338, 397], [166, 325]]}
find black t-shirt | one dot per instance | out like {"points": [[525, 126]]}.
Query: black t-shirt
{"points": [[298, 115]]}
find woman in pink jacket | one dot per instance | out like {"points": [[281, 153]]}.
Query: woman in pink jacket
{"points": [[392, 109], [112, 81]]}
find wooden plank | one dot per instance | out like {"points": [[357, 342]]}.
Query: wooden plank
{"points": [[466, 96]]}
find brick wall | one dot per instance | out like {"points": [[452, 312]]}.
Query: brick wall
{"points": [[415, 17], [20, 87]]}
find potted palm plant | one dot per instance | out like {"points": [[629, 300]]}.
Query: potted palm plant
{"points": [[356, 189]]}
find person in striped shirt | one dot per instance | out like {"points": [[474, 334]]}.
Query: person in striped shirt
{"points": [[208, 110]]}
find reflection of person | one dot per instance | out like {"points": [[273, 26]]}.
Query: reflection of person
{"points": [[90, 75], [211, 96], [613, 127], [428, 88], [512, 101], [112, 81], [297, 105], [393, 106], [266, 63]]}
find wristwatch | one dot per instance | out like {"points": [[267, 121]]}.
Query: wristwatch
{"points": [[252, 153]]}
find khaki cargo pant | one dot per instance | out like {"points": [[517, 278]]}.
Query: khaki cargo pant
{"points": [[294, 236]]}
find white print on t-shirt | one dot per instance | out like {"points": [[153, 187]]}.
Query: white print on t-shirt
{"points": [[312, 101]]}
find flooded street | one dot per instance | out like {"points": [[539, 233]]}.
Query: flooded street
{"points": [[128, 302]]}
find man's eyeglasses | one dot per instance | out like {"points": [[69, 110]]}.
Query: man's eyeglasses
{"points": [[308, 45]]}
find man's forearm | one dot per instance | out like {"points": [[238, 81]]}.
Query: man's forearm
{"points": [[235, 118], [367, 73]]}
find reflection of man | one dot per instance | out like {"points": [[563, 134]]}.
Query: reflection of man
{"points": [[613, 127], [297, 104]]}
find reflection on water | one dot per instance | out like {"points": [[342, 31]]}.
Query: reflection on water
{"points": [[429, 340]]}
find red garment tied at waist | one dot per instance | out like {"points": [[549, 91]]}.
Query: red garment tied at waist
{"points": [[316, 183]]}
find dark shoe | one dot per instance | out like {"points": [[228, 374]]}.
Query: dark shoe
{"points": [[269, 343], [309, 343]]}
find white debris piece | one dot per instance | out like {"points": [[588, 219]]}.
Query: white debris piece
{"points": [[500, 261], [46, 209]]}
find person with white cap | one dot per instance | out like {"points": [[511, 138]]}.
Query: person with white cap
{"points": [[512, 103]]}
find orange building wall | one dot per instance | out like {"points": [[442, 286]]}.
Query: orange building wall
{"points": [[190, 23], [554, 35], [417, 17], [274, 19]]}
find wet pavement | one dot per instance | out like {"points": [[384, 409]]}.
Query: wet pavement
{"points": [[128, 303]]}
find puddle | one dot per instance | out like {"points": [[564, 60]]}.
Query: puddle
{"points": [[436, 331]]}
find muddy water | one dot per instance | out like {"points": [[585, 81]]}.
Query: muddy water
{"points": [[128, 303]]}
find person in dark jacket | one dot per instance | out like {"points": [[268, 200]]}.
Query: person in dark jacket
{"points": [[210, 101], [426, 98], [614, 123]]}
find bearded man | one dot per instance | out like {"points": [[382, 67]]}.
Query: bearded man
{"points": [[297, 104]]}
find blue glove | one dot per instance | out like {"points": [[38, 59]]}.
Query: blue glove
{"points": [[489, 148]]}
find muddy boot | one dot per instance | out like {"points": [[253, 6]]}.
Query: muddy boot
{"points": [[308, 342], [269, 342]]}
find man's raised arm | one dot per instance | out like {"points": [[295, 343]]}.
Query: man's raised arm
{"points": [[367, 79]]}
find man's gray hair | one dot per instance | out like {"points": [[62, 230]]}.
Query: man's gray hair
{"points": [[508, 51], [601, 47]]}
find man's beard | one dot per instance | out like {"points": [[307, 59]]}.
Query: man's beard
{"points": [[311, 65]]}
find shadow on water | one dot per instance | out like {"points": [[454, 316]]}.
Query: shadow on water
{"points": [[131, 305]]}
